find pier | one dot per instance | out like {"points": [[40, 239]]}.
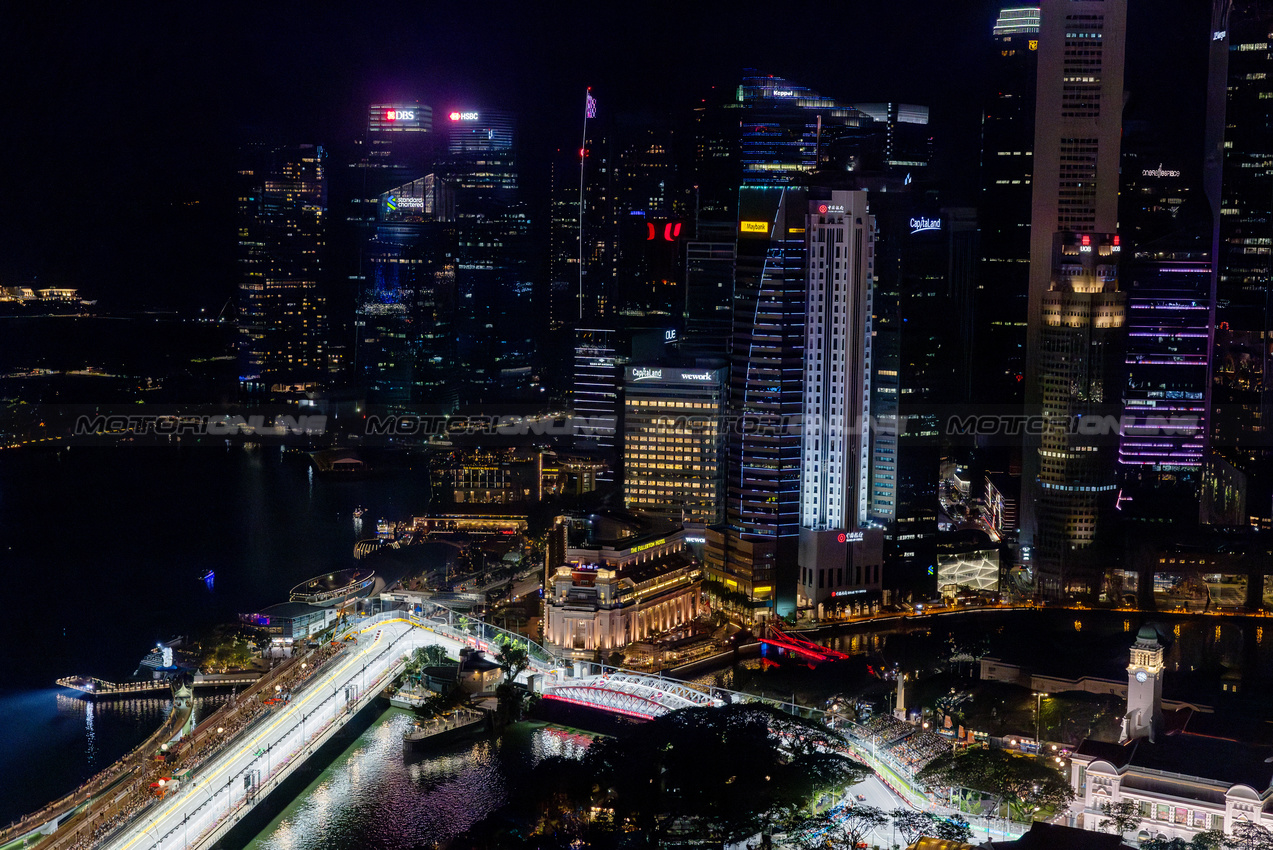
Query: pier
{"points": [[95, 689]]}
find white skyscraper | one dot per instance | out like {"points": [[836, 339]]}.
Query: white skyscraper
{"points": [[840, 558]]}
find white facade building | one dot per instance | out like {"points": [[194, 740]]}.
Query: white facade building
{"points": [[839, 556]]}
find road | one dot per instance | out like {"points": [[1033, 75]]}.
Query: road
{"points": [[221, 787], [880, 796]]}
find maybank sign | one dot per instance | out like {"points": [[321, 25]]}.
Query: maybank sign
{"points": [[754, 226], [919, 225]]}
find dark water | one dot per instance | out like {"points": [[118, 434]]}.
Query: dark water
{"points": [[370, 796], [100, 553]]}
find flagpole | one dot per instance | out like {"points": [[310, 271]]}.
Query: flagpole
{"points": [[583, 152]]}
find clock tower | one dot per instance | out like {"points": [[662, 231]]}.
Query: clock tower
{"points": [[1144, 685]]}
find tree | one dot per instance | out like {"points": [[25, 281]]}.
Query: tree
{"points": [[1210, 839], [1249, 836], [432, 655], [854, 826], [1164, 844], [1027, 785], [513, 659], [726, 772], [953, 828], [1123, 816], [912, 825]]}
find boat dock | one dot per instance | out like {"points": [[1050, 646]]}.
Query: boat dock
{"points": [[459, 724], [93, 688]]}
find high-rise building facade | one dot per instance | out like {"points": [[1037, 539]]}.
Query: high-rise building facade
{"points": [[282, 209], [596, 390], [1083, 331], [1007, 166], [839, 555], [674, 442], [755, 551], [1075, 183], [492, 252], [1242, 369]]}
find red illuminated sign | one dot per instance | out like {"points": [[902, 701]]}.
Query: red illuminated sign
{"points": [[822, 209], [463, 116]]}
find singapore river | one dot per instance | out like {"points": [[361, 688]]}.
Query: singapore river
{"points": [[371, 796]]}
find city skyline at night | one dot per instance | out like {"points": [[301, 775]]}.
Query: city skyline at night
{"points": [[582, 426]]}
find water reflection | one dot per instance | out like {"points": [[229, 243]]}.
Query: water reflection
{"points": [[373, 797]]}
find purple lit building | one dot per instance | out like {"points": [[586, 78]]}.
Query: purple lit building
{"points": [[1164, 421]]}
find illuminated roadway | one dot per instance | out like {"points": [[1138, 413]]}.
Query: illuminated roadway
{"points": [[218, 793]]}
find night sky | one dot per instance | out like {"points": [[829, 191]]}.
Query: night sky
{"points": [[119, 117]]}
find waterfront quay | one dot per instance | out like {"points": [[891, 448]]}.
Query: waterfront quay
{"points": [[106, 800], [93, 688]]}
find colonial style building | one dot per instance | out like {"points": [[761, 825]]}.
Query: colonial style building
{"points": [[631, 580], [1183, 776]]}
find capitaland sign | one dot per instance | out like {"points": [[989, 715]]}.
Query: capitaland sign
{"points": [[919, 225], [641, 373]]}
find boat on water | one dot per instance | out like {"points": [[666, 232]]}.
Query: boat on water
{"points": [[358, 512], [335, 589], [459, 725]]}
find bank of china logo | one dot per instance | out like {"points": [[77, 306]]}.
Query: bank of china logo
{"points": [[392, 204], [822, 209]]}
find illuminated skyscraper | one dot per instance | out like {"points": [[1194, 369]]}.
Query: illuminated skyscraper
{"points": [[1078, 126], [754, 552], [1080, 374], [404, 322], [840, 554], [492, 250], [282, 208], [674, 442]]}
